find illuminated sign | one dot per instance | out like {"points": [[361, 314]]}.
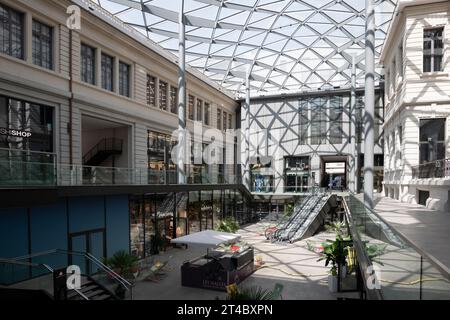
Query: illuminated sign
{"points": [[15, 133]]}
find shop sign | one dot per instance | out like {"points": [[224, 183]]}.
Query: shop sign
{"points": [[15, 133]]}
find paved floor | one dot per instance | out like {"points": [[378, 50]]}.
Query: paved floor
{"points": [[293, 266], [427, 229]]}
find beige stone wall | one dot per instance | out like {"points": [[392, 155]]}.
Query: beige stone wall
{"points": [[22, 79]]}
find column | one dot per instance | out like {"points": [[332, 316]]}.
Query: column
{"points": [[181, 150], [247, 181], [353, 185], [369, 105]]}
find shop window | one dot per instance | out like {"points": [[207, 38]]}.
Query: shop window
{"points": [[297, 174], [262, 175]]}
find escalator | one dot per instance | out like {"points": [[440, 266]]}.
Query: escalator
{"points": [[307, 218]]}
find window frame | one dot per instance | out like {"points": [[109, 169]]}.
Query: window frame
{"points": [[124, 91], [151, 96], [102, 70], [84, 68], [51, 38], [432, 49], [20, 14]]}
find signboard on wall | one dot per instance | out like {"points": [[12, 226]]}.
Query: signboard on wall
{"points": [[15, 133], [335, 167]]}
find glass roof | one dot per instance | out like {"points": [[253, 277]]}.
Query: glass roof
{"points": [[289, 45]]}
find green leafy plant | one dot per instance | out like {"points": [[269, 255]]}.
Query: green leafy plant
{"points": [[335, 253], [227, 225], [123, 263], [252, 294], [375, 250], [339, 228], [289, 210]]}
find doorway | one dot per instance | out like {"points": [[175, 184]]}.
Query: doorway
{"points": [[93, 242], [334, 172]]}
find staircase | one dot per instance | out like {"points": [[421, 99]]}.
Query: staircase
{"points": [[102, 151], [90, 290]]}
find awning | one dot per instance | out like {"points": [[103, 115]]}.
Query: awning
{"points": [[207, 238]]}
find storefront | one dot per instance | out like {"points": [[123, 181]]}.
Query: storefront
{"points": [[297, 173], [26, 143]]}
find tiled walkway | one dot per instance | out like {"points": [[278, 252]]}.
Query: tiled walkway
{"points": [[427, 229], [293, 266]]}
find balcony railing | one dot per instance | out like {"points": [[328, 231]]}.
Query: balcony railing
{"points": [[390, 265], [435, 169], [41, 169]]}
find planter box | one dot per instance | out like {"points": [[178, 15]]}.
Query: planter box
{"points": [[218, 273]]}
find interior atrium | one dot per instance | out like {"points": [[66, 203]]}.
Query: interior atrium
{"points": [[224, 150]]}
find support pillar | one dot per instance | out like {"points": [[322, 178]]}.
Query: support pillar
{"points": [[247, 180], [353, 151], [369, 140], [181, 150]]}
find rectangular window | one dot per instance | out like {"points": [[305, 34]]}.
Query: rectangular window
{"points": [[304, 121], [433, 50], [191, 107], [432, 140], [27, 117], [151, 90], [124, 79], [107, 72], [163, 95], [219, 119], [224, 118], [87, 64], [42, 45], [11, 32], [359, 118], [199, 110], [336, 112], [394, 75], [206, 114], [230, 121], [173, 99], [318, 120]]}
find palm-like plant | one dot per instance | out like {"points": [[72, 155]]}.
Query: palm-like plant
{"points": [[251, 294], [227, 225], [123, 262]]}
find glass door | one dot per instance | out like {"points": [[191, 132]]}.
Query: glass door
{"points": [[92, 242]]}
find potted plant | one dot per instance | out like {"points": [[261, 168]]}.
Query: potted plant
{"points": [[123, 263], [335, 254]]}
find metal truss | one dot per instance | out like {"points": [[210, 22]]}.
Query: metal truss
{"points": [[289, 46]]}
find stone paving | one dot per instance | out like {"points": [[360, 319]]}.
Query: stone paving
{"points": [[292, 265]]}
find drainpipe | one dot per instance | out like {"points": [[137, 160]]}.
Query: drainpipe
{"points": [[70, 126]]}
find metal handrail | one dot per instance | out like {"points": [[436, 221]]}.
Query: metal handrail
{"points": [[29, 264], [117, 277]]}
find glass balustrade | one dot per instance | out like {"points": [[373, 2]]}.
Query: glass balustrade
{"points": [[26, 168], [402, 270]]}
